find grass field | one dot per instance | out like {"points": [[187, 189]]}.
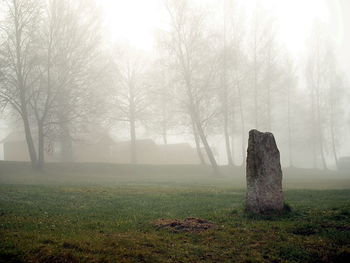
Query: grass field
{"points": [[104, 213]]}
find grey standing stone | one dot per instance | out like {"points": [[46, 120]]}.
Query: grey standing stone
{"points": [[264, 174]]}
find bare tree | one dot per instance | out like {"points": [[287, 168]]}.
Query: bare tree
{"points": [[233, 72], [315, 71], [74, 72], [165, 107], [290, 82], [225, 90], [271, 74], [131, 91], [262, 56], [19, 58], [335, 100], [187, 44]]}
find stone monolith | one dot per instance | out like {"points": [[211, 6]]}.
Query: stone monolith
{"points": [[264, 174]]}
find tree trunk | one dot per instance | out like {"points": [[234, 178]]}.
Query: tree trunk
{"points": [[225, 99], [165, 137], [232, 145], [320, 141], [29, 140], [198, 125], [164, 123], [319, 128], [66, 143], [21, 84], [133, 150], [132, 119], [41, 148], [240, 99], [207, 147], [289, 129], [201, 134], [318, 111], [197, 141], [335, 155], [227, 140], [313, 137], [334, 147]]}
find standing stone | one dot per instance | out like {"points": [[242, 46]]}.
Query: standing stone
{"points": [[264, 174]]}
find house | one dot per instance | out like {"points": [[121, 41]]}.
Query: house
{"points": [[93, 149], [344, 164], [83, 150], [148, 152], [181, 153], [104, 149], [15, 149]]}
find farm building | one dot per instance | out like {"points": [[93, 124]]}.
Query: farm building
{"points": [[104, 149], [15, 149]]}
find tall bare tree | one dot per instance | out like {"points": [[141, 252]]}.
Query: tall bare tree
{"points": [[315, 72], [187, 43], [232, 74], [77, 70], [290, 83], [131, 91], [262, 59], [335, 98], [19, 59]]}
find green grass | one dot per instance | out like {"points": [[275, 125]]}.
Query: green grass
{"points": [[98, 213]]}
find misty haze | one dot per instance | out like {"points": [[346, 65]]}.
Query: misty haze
{"points": [[174, 131]]}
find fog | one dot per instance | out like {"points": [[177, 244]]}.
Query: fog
{"points": [[174, 131], [173, 81]]}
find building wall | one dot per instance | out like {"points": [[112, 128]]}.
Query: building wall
{"points": [[156, 155], [16, 151], [91, 153], [105, 153]]}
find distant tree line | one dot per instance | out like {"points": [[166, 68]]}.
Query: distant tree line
{"points": [[60, 77]]}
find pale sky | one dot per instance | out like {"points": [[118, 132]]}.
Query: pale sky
{"points": [[136, 20]]}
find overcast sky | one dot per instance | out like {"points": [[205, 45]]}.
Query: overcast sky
{"points": [[136, 20]]}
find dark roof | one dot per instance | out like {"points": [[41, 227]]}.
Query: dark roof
{"points": [[81, 138], [89, 138], [145, 142], [178, 147]]}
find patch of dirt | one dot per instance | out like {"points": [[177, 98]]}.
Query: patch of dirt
{"points": [[71, 246], [305, 230], [343, 228], [48, 241], [341, 257], [189, 224], [45, 254]]}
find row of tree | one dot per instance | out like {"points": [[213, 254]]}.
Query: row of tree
{"points": [[49, 64], [211, 80]]}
